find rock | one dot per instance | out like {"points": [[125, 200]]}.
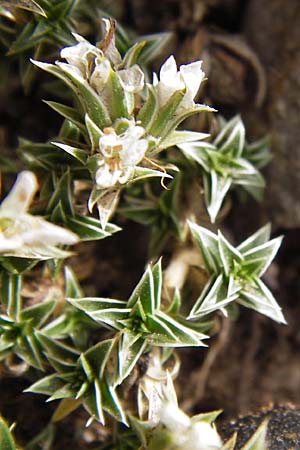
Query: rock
{"points": [[283, 428], [272, 29]]}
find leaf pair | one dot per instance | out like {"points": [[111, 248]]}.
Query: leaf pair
{"points": [[227, 162], [140, 321], [235, 272]]}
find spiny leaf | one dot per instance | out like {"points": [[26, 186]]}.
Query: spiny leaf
{"points": [[6, 439]]}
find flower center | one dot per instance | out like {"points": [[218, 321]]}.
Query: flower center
{"points": [[111, 148]]}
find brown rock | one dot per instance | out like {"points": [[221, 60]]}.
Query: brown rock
{"points": [[272, 29]]}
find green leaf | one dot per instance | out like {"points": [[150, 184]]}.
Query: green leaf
{"points": [[258, 297], [157, 285], [77, 153], [178, 118], [29, 5], [168, 332], [106, 311], [98, 355], [88, 98], [72, 287], [208, 417], [258, 152], [208, 245], [38, 314], [175, 303], [67, 112], [232, 138], [215, 296], [63, 194], [130, 348], [178, 137], [132, 54], [65, 407], [106, 200], [111, 403], [141, 173], [58, 351], [148, 111], [230, 444], [6, 439], [228, 254], [47, 385], [94, 133], [215, 190], [258, 238], [198, 151], [258, 440], [29, 349], [164, 115], [144, 291], [116, 95], [11, 294], [89, 228], [258, 259]]}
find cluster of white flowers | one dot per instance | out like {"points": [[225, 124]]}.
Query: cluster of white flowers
{"points": [[25, 235], [94, 65]]}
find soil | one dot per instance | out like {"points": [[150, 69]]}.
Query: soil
{"points": [[253, 363]]}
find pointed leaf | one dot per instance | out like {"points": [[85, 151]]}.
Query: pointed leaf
{"points": [[164, 114], [178, 137], [258, 440], [47, 385], [258, 259], [208, 244], [89, 228], [57, 350], [67, 112], [214, 296], [77, 153], [65, 407], [258, 297], [11, 294], [106, 311], [97, 356], [215, 190], [232, 137], [130, 348], [6, 439], [111, 403], [94, 133], [147, 112], [260, 237], [141, 173], [144, 291], [228, 254], [38, 314], [72, 288], [168, 332]]}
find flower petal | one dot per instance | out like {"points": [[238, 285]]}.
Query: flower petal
{"points": [[20, 196]]}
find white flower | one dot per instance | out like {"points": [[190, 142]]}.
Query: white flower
{"points": [[89, 64], [81, 56], [121, 153], [24, 235], [189, 77], [186, 433]]}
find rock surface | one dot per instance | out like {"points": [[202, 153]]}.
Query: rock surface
{"points": [[272, 29]]}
